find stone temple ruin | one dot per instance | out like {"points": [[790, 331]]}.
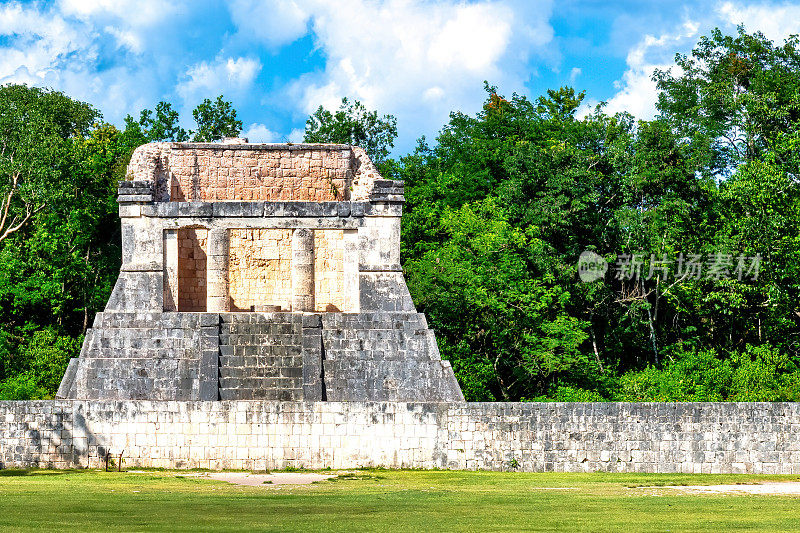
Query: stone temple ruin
{"points": [[259, 272], [271, 272]]}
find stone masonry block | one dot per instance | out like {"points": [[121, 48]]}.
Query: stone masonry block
{"points": [[312, 321]]}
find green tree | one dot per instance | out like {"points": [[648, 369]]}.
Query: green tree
{"points": [[37, 129], [500, 316], [497, 214], [732, 97], [162, 124], [215, 120], [648, 189], [57, 269], [735, 110], [354, 124], [754, 374]]}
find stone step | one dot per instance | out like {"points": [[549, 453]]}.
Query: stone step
{"points": [[260, 318], [260, 340], [374, 333], [260, 329], [260, 372], [260, 393], [155, 320], [264, 350], [389, 183], [375, 325]]}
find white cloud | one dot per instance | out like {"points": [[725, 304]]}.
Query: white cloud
{"points": [[122, 55], [259, 133], [38, 43], [433, 94], [419, 59], [637, 91], [126, 38], [74, 46], [296, 135], [130, 22], [274, 22], [45, 48], [573, 75], [775, 21], [134, 13], [205, 79], [472, 39], [416, 59]]}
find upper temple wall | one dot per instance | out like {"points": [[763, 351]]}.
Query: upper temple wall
{"points": [[213, 172]]}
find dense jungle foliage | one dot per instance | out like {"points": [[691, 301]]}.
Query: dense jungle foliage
{"points": [[697, 214]]}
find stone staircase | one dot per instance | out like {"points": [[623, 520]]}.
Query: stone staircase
{"points": [[260, 356]]}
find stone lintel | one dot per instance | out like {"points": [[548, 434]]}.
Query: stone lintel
{"points": [[260, 209]]}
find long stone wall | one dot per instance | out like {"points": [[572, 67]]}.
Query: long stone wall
{"points": [[574, 437]]}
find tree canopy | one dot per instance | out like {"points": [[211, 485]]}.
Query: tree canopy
{"points": [[353, 124], [215, 120], [500, 209]]}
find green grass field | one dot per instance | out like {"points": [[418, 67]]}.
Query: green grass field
{"points": [[378, 500]]}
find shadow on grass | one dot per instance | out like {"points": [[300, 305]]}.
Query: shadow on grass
{"points": [[19, 472], [351, 477]]}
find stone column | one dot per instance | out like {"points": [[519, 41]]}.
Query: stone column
{"points": [[171, 270], [351, 293], [303, 270], [217, 300]]}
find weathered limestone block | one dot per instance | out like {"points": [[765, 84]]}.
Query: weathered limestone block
{"points": [[403, 362], [192, 269], [248, 172], [260, 269], [170, 270], [137, 291], [384, 291], [364, 175]]}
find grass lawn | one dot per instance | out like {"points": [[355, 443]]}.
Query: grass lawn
{"points": [[387, 501]]}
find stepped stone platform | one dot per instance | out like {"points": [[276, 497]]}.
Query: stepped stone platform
{"points": [[259, 272]]}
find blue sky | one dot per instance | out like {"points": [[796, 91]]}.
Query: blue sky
{"points": [[278, 60]]}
